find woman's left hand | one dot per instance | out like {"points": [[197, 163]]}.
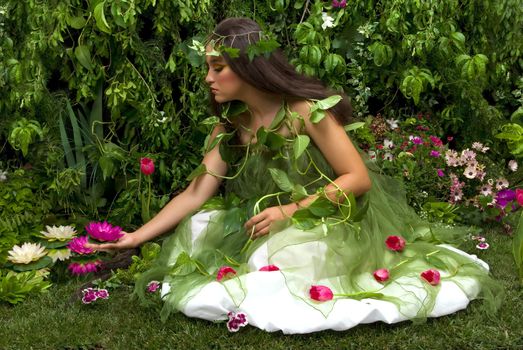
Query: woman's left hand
{"points": [[260, 224]]}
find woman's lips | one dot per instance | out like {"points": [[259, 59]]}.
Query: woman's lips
{"points": [[214, 91]]}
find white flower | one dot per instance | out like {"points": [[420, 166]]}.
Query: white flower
{"points": [[393, 123], [328, 21], [61, 233], [59, 254], [501, 183], [388, 144], [513, 165], [486, 190], [3, 175], [470, 172], [27, 253], [388, 156], [372, 155]]}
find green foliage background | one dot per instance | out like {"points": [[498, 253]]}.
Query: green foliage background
{"points": [[87, 88]]}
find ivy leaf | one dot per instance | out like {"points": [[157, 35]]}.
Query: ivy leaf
{"points": [[322, 207], [277, 119], [261, 136], [210, 121], [300, 144], [328, 102], [354, 126], [304, 219], [281, 179], [274, 141], [200, 170], [83, 56], [76, 22], [214, 203], [298, 193], [101, 21], [317, 116]]}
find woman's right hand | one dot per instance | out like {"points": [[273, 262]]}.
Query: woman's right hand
{"points": [[127, 241]]}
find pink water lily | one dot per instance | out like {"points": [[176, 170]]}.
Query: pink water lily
{"points": [[78, 268], [225, 272], [395, 243], [320, 293], [432, 276], [104, 231], [270, 268], [381, 275], [77, 245]]}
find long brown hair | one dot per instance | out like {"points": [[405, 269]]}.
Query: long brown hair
{"points": [[273, 74]]}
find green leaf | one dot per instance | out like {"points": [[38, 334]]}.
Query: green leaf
{"points": [[278, 119], [328, 102], [76, 22], [298, 193], [317, 116], [281, 179], [274, 141], [354, 126], [300, 144], [107, 165], [436, 262], [322, 207], [304, 219], [37, 265], [99, 16], [214, 203], [200, 170]]}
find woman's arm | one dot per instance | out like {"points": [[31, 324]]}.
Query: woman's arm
{"points": [[198, 192]]}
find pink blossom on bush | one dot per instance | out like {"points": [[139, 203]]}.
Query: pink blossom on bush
{"points": [[519, 196], [434, 154], [436, 141], [82, 268], [146, 166], [440, 173]]}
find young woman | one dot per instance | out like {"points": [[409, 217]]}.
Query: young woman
{"points": [[287, 246]]}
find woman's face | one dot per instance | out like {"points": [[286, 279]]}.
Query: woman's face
{"points": [[225, 84]]}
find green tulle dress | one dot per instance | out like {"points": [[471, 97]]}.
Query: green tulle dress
{"points": [[336, 247]]}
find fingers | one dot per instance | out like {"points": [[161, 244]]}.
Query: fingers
{"points": [[255, 220]]}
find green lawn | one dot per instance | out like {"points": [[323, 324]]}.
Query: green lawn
{"points": [[51, 321]]}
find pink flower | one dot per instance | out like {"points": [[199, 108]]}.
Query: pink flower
{"points": [[236, 320], [432, 276], [77, 245], [395, 243], [78, 268], [381, 275], [436, 141], [339, 4], [153, 286], [104, 231], [146, 166], [270, 268], [482, 245], [519, 196], [416, 140], [513, 165], [225, 272], [434, 154], [440, 173], [321, 293]]}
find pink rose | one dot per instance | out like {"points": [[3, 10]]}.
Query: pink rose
{"points": [[431, 276], [395, 243], [146, 166], [519, 196], [270, 268], [321, 293], [225, 272], [381, 275]]}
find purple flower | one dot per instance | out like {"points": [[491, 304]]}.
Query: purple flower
{"points": [[77, 245], [89, 296], [339, 4], [434, 154], [102, 294], [104, 231], [504, 197], [417, 140], [440, 173], [482, 245]]}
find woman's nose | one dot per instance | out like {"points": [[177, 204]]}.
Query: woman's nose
{"points": [[208, 78]]}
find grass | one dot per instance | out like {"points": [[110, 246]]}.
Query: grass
{"points": [[51, 321]]}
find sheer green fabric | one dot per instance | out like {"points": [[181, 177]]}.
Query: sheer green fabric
{"points": [[345, 253]]}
